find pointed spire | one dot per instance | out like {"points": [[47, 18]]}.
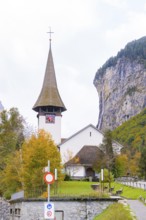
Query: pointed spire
{"points": [[49, 98]]}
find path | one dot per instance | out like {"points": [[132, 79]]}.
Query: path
{"points": [[138, 208]]}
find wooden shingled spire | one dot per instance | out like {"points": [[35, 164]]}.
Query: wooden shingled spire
{"points": [[49, 99]]}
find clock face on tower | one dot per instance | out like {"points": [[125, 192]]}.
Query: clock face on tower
{"points": [[50, 119]]}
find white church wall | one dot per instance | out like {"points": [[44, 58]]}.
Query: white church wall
{"points": [[53, 128], [75, 171], [88, 136]]}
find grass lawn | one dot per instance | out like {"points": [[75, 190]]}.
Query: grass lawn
{"points": [[115, 211], [83, 188], [129, 192], [76, 188]]}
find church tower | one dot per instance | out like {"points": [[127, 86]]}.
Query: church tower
{"points": [[49, 104]]}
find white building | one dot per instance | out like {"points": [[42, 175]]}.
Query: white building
{"points": [[49, 104], [79, 151]]}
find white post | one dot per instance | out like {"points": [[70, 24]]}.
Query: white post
{"points": [[55, 174], [48, 184], [56, 184], [102, 175]]}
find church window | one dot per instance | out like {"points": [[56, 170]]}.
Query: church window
{"points": [[90, 133]]}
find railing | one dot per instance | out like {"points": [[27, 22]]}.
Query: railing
{"points": [[132, 182]]}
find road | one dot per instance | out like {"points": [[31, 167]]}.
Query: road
{"points": [[138, 208]]}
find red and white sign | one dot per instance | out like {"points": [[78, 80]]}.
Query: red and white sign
{"points": [[49, 178], [49, 210]]}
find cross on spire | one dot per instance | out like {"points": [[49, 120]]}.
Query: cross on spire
{"points": [[50, 32]]}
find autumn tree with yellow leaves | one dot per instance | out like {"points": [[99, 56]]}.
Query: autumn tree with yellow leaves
{"points": [[25, 171]]}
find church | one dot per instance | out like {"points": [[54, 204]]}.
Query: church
{"points": [[78, 152]]}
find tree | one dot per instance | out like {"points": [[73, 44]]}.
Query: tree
{"points": [[121, 165], [107, 148], [24, 167], [142, 163], [106, 176], [35, 155], [11, 134], [134, 164], [11, 178]]}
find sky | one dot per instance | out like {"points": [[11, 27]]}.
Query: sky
{"points": [[86, 34]]}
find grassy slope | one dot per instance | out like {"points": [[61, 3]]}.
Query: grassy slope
{"points": [[115, 212], [130, 192], [79, 188]]}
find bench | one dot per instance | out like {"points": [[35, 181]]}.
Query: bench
{"points": [[118, 192], [105, 187], [95, 186], [112, 189]]}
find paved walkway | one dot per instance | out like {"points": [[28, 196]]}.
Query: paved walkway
{"points": [[138, 208]]}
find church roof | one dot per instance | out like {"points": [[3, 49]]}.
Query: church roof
{"points": [[49, 95], [88, 155], [78, 132]]}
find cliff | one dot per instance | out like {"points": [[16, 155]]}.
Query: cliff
{"points": [[121, 85]]}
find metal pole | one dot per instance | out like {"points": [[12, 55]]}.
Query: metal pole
{"points": [[56, 184], [102, 177], [48, 184]]}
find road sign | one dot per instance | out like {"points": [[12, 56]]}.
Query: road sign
{"points": [[49, 210], [49, 178], [45, 169]]}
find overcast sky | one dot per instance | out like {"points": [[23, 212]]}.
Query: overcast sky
{"points": [[86, 34]]}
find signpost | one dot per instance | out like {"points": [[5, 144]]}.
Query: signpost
{"points": [[49, 178], [49, 210], [49, 206]]}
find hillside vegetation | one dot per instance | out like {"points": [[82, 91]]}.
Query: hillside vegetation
{"points": [[132, 133]]}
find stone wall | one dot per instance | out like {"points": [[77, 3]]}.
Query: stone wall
{"points": [[4, 209], [65, 209]]}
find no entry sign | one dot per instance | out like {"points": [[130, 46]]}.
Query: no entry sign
{"points": [[49, 178], [49, 210]]}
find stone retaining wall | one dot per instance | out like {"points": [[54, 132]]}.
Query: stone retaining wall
{"points": [[65, 209], [4, 209]]}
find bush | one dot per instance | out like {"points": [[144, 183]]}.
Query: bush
{"points": [[67, 177]]}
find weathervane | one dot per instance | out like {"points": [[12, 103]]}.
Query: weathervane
{"points": [[50, 32]]}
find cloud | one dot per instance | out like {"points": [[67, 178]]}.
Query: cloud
{"points": [[116, 3], [86, 34]]}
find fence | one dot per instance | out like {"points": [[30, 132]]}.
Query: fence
{"points": [[130, 181]]}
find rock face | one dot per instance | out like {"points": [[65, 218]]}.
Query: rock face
{"points": [[121, 85]]}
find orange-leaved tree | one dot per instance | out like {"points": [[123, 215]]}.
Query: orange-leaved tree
{"points": [[35, 155]]}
